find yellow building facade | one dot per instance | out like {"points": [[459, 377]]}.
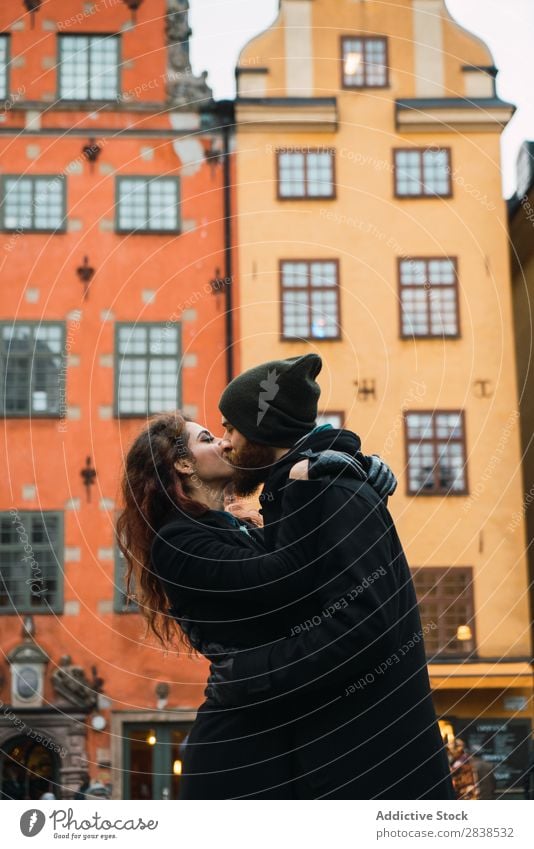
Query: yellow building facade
{"points": [[372, 230]]}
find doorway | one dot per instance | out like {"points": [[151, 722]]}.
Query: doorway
{"points": [[27, 769], [152, 759]]}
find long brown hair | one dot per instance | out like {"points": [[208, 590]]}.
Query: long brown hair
{"points": [[151, 488]]}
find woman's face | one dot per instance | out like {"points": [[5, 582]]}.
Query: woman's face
{"points": [[210, 463]]}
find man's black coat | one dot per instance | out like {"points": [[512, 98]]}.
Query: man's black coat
{"points": [[352, 679]]}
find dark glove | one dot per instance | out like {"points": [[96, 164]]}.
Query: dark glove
{"points": [[221, 675], [190, 630], [333, 464], [380, 476]]}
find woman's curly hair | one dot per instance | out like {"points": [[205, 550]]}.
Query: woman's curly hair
{"points": [[151, 488]]}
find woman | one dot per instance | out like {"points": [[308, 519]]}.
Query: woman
{"points": [[189, 559]]}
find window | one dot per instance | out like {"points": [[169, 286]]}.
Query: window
{"points": [[365, 62], [88, 67], [31, 369], [445, 598], [436, 453], [310, 299], [33, 203], [148, 204], [121, 603], [147, 375], [337, 420], [306, 174], [423, 173], [31, 558], [429, 297], [4, 67]]}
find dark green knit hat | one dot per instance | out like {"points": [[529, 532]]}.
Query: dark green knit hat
{"points": [[274, 403]]}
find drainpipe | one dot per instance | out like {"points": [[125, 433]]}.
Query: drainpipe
{"points": [[227, 119]]}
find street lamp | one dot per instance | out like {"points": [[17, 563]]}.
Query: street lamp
{"points": [[86, 273], [133, 6]]}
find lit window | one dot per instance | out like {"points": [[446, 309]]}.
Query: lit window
{"points": [[445, 599], [364, 62]]}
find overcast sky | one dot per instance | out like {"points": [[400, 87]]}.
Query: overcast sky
{"points": [[222, 27]]}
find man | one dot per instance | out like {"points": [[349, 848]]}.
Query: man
{"points": [[351, 678]]}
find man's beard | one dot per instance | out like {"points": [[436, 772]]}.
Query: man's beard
{"points": [[252, 464]]}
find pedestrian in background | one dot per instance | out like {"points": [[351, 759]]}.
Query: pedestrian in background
{"points": [[463, 774]]}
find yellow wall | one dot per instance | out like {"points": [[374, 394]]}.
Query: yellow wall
{"points": [[368, 229]]}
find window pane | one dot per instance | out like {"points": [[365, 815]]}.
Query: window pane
{"points": [[132, 339], [415, 312], [163, 386], [353, 62], [295, 274], [320, 174], [33, 203], [408, 175], [334, 419], [364, 62], [148, 204], [443, 312], [291, 175], [31, 369], [324, 315], [148, 372], [445, 597], [104, 60], [375, 62], [419, 426], [3, 66], [413, 272], [74, 67], [295, 314], [436, 452], [133, 204], [164, 340], [17, 202], [436, 172], [48, 203], [441, 272], [163, 204], [323, 274]]}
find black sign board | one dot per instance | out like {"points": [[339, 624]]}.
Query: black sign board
{"points": [[503, 742]]}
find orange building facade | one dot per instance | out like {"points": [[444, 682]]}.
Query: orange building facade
{"points": [[116, 263]]}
